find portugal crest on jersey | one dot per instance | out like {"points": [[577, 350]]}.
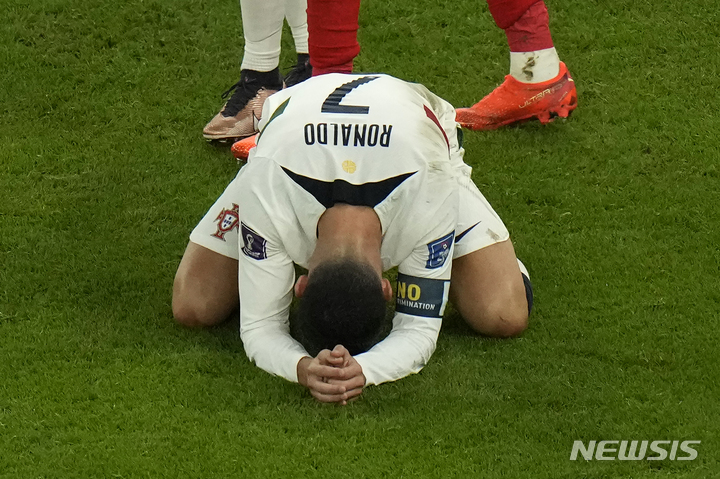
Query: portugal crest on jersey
{"points": [[228, 220]]}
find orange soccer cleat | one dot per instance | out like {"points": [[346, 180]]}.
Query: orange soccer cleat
{"points": [[241, 149], [514, 102]]}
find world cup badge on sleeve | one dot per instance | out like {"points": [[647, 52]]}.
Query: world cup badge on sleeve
{"points": [[254, 245], [228, 220], [438, 251]]}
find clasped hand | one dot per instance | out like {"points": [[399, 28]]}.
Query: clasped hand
{"points": [[332, 376]]}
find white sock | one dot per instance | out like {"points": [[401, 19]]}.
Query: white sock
{"points": [[262, 28], [534, 67], [296, 15]]}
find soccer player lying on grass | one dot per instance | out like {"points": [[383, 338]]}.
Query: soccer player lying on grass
{"points": [[352, 175]]}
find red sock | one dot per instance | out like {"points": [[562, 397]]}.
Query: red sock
{"points": [[531, 32], [332, 29], [507, 12]]}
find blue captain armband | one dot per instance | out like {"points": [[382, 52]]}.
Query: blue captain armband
{"points": [[421, 296]]}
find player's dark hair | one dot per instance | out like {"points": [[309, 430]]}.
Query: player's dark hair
{"points": [[343, 303]]}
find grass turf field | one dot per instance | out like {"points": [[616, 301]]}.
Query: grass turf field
{"points": [[103, 173]]}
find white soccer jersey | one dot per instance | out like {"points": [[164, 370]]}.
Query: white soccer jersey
{"points": [[369, 140]]}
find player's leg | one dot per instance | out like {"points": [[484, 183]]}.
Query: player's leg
{"points": [[488, 290], [538, 86], [259, 74], [533, 58], [330, 37], [333, 27], [296, 16], [487, 286], [205, 291]]}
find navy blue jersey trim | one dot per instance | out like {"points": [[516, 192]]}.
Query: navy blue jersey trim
{"points": [[328, 193], [460, 236]]}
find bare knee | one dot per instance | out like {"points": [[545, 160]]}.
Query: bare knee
{"points": [[194, 313], [506, 324], [501, 320], [195, 307], [489, 291], [205, 290]]}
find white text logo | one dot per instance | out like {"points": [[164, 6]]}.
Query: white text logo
{"points": [[634, 450]]}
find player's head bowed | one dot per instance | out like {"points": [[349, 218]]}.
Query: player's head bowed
{"points": [[343, 303]]}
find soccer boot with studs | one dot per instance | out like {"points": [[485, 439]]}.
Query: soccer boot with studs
{"points": [[514, 102], [241, 149], [239, 116], [300, 72]]}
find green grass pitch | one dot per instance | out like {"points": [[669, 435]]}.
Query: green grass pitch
{"points": [[103, 173]]}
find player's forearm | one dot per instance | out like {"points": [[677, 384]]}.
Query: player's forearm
{"points": [[272, 349], [405, 351]]}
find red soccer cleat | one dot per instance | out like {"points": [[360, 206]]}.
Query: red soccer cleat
{"points": [[514, 102], [241, 149]]}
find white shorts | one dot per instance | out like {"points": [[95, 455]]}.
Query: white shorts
{"points": [[478, 224]]}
